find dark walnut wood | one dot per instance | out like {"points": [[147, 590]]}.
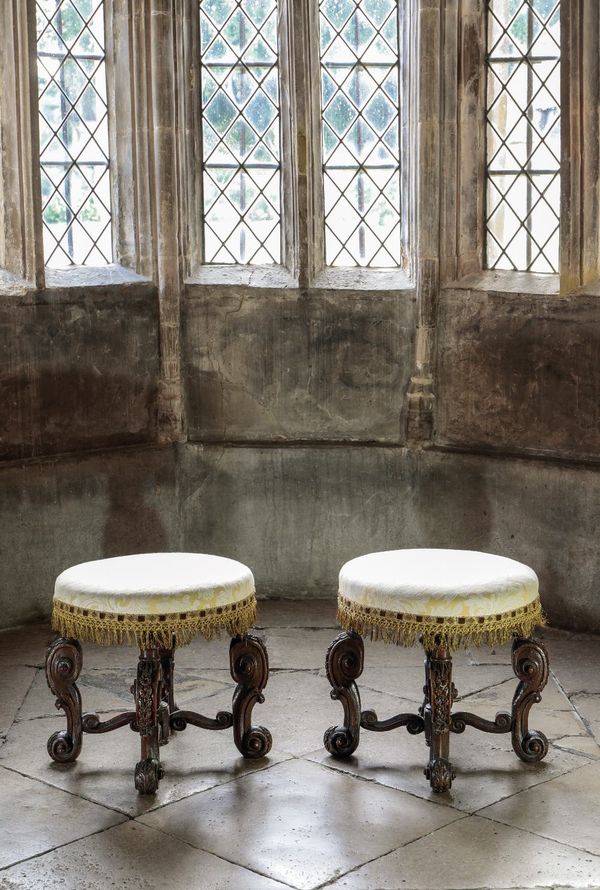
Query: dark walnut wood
{"points": [[147, 691], [344, 664], [437, 707], [249, 664], [63, 666], [156, 714], [530, 664]]}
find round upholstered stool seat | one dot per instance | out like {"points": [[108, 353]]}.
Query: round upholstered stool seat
{"points": [[445, 599], [158, 601], [459, 596], [148, 597]]}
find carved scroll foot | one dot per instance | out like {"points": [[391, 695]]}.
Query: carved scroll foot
{"points": [[530, 664], [437, 717], [440, 773], [249, 664], [147, 692], [344, 664], [147, 775], [63, 666]]}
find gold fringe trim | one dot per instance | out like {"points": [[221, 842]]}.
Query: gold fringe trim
{"points": [[454, 632], [146, 631]]}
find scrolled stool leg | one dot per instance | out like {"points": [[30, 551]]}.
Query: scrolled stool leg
{"points": [[530, 664], [344, 664], [167, 704], [249, 665], [63, 666], [147, 691], [437, 716]]}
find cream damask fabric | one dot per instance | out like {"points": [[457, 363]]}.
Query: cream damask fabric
{"points": [[462, 597], [146, 598]]}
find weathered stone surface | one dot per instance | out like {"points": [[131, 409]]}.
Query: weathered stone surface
{"points": [[264, 364], [59, 513], [519, 373], [295, 515], [78, 370]]}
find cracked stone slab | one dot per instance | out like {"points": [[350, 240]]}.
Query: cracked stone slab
{"points": [[132, 857], [588, 707], [15, 682], [554, 715], [109, 689], [406, 681], [194, 760], [564, 809], [575, 664], [487, 767], [579, 745], [25, 645], [501, 695], [477, 853], [303, 825], [292, 648], [35, 818], [297, 710]]}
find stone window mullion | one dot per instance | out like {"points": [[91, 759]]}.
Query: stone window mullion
{"points": [[21, 254]]}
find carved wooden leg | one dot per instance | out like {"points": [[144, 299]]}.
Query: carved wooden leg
{"points": [[63, 666], [530, 664], [147, 690], [437, 715], [167, 704], [249, 664], [344, 664]]}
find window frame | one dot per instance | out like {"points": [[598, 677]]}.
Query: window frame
{"points": [[302, 205], [463, 195], [21, 250], [127, 24]]}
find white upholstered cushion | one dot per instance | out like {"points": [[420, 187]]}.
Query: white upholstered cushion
{"points": [[155, 583], [461, 583]]}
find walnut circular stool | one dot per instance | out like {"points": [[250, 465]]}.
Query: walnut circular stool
{"points": [[446, 599], [156, 601]]}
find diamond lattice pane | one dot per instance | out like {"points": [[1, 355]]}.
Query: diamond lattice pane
{"points": [[360, 71], [523, 135], [74, 154], [241, 166]]}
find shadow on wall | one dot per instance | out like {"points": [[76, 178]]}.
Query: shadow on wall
{"points": [[131, 520], [454, 509]]}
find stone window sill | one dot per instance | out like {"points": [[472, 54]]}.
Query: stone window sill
{"points": [[13, 286], [356, 278], [67, 284], [275, 277], [503, 282], [92, 276], [280, 278]]}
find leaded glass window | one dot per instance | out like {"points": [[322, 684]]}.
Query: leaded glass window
{"points": [[360, 89], [241, 155], [74, 154], [523, 135]]}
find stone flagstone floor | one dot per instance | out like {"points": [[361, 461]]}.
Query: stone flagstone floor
{"points": [[299, 818]]}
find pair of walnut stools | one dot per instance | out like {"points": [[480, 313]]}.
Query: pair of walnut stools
{"points": [[446, 599]]}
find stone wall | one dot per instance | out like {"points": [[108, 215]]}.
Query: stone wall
{"points": [[296, 417]]}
